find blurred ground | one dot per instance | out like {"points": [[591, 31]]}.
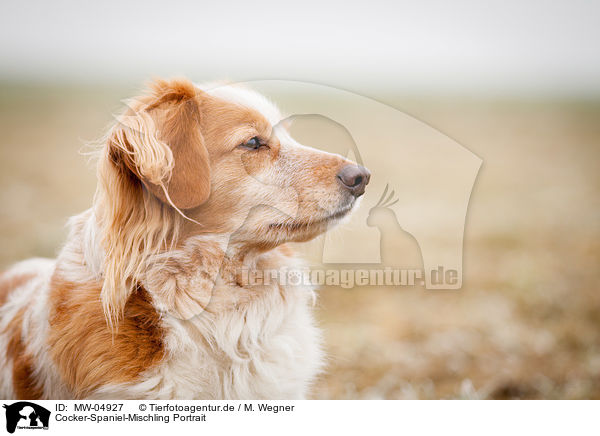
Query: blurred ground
{"points": [[526, 323]]}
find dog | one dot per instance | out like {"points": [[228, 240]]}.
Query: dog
{"points": [[147, 298]]}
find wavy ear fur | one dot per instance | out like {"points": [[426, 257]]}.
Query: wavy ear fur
{"points": [[154, 163]]}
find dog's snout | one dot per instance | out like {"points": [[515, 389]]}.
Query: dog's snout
{"points": [[354, 178]]}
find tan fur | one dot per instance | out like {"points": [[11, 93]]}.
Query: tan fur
{"points": [[156, 145], [25, 384], [88, 354]]}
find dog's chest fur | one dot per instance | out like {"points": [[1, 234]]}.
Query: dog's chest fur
{"points": [[269, 349], [223, 340], [215, 342]]}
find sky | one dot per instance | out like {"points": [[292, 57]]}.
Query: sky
{"points": [[522, 47]]}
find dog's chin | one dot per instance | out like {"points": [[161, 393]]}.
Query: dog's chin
{"points": [[304, 229]]}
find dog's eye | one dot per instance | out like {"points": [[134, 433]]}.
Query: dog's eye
{"points": [[252, 144]]}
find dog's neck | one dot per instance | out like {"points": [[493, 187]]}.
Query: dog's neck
{"points": [[202, 273]]}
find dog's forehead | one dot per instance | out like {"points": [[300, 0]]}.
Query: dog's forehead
{"points": [[244, 97]]}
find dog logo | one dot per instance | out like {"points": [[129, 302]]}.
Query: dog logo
{"points": [[26, 415]]}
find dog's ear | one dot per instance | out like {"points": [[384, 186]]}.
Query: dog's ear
{"points": [[153, 161], [160, 141]]}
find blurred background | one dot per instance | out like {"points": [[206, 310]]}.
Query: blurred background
{"points": [[516, 83]]}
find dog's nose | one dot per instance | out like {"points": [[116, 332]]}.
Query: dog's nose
{"points": [[354, 178]]}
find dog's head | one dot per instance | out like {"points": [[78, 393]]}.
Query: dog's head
{"points": [[183, 161]]}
